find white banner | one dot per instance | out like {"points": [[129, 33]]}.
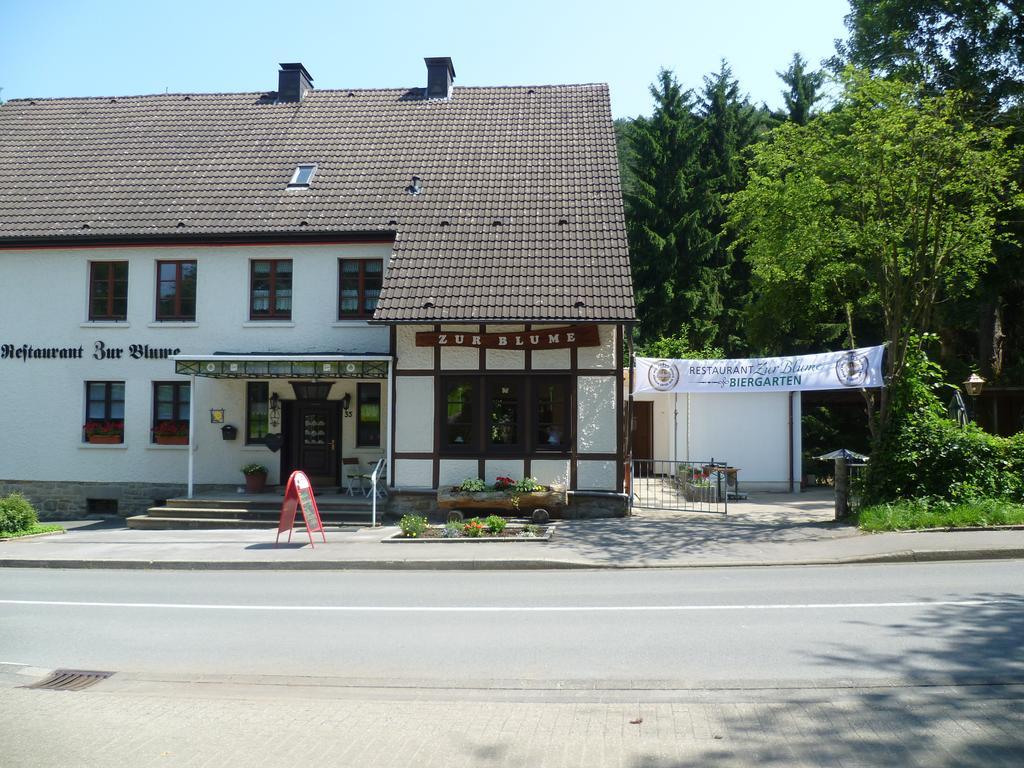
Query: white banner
{"points": [[851, 369]]}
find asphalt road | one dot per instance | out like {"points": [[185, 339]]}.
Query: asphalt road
{"points": [[948, 623]]}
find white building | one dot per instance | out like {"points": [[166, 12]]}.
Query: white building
{"points": [[437, 276]]}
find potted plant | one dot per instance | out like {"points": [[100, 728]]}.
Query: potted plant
{"points": [[255, 478], [171, 433], [104, 432]]}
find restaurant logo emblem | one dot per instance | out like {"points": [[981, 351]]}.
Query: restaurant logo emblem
{"points": [[852, 369], [663, 375]]}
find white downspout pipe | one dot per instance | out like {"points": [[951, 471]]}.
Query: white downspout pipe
{"points": [[191, 433]]}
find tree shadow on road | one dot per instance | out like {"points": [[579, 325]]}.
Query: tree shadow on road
{"points": [[956, 699], [664, 540]]}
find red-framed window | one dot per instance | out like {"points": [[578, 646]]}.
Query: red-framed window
{"points": [[108, 290], [104, 409], [271, 289], [176, 290], [360, 281], [171, 408]]}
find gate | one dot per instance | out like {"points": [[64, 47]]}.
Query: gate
{"points": [[684, 486]]}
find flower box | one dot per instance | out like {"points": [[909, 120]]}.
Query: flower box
{"points": [[171, 439], [105, 439]]}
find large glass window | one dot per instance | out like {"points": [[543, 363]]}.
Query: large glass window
{"points": [[170, 409], [176, 290], [104, 411], [257, 411], [505, 412], [552, 418], [511, 415], [108, 290], [359, 289], [368, 412], [458, 432], [271, 297]]}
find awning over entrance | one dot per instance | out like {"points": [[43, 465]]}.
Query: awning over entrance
{"points": [[279, 366], [283, 366]]}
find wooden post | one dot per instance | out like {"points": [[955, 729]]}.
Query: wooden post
{"points": [[842, 486]]}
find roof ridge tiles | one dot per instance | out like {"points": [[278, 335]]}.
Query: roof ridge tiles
{"points": [[116, 98]]}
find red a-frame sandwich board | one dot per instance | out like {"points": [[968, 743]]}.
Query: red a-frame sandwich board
{"points": [[298, 494]]}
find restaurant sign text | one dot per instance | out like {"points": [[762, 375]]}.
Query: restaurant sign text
{"points": [[549, 338], [99, 350]]}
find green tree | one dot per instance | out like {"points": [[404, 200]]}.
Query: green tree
{"points": [[975, 47], [667, 242], [731, 124], [803, 91], [972, 46], [888, 201]]}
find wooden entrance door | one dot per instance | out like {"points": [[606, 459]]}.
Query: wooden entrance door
{"points": [[317, 441], [643, 430]]}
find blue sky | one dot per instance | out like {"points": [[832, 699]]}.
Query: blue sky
{"points": [[106, 47]]}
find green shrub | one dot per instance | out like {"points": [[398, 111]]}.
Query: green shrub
{"points": [[495, 524], [472, 485], [923, 513], [926, 455], [527, 485], [412, 525], [17, 514]]}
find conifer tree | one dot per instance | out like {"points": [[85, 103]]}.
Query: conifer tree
{"points": [[731, 124], [663, 219], [803, 90]]}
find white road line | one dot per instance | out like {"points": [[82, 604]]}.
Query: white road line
{"points": [[509, 609]]}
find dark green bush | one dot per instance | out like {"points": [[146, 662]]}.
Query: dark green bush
{"points": [[925, 454], [16, 514]]}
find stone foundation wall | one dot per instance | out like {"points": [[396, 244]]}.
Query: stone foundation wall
{"points": [[56, 500], [587, 507]]}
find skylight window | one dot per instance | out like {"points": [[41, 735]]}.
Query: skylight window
{"points": [[303, 176]]}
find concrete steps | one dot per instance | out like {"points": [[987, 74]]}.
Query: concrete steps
{"points": [[262, 511]]}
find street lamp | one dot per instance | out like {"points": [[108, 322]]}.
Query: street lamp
{"points": [[973, 387]]}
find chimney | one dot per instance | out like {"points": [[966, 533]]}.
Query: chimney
{"points": [[440, 73], [293, 82]]}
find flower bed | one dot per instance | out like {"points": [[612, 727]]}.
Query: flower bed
{"points": [[436, 534], [492, 528]]}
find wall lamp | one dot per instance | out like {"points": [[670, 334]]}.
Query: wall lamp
{"points": [[275, 410]]}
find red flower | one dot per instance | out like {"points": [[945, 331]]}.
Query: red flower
{"points": [[100, 428], [171, 429]]}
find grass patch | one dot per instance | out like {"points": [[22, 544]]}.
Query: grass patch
{"points": [[38, 528], [923, 513]]}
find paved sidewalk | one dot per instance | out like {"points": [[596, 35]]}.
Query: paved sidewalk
{"points": [[131, 721], [775, 529]]}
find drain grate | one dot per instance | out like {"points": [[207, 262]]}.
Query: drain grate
{"points": [[70, 680]]}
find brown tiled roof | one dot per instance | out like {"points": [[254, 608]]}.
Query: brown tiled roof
{"points": [[519, 218]]}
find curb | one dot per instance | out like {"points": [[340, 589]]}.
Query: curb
{"points": [[5, 539], [903, 556]]}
